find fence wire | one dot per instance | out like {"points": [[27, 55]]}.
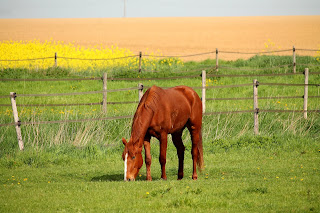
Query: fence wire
{"points": [[98, 59], [57, 79], [131, 116], [28, 59], [284, 84], [255, 69], [67, 121], [256, 53], [179, 56], [163, 78], [162, 56]]}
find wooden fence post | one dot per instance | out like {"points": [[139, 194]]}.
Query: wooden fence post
{"points": [[305, 96], [203, 98], [55, 59], [294, 59], [255, 106], [140, 88], [140, 59], [217, 59], [104, 101], [16, 120]]}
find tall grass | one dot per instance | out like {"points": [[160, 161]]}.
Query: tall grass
{"points": [[108, 133]]}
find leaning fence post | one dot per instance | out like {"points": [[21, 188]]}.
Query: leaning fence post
{"points": [[217, 60], [140, 57], [255, 106], [140, 88], [305, 96], [16, 119], [203, 98], [55, 59], [294, 59], [104, 101]]}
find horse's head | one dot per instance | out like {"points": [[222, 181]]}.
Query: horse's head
{"points": [[132, 160]]}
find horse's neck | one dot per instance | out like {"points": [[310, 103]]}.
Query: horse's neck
{"points": [[141, 124]]}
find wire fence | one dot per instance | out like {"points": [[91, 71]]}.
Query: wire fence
{"points": [[217, 51], [203, 87], [146, 87]]}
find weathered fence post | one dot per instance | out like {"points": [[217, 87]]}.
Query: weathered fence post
{"points": [[140, 88], [140, 59], [55, 59], [305, 96], [16, 119], [294, 59], [255, 106], [104, 101], [203, 98], [217, 59]]}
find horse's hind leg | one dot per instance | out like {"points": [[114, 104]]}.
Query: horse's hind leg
{"points": [[177, 141], [195, 138]]}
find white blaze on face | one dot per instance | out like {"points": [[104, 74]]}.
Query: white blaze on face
{"points": [[125, 167]]}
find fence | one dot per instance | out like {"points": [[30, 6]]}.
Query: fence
{"points": [[17, 123], [217, 53]]}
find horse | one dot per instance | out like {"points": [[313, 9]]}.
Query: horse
{"points": [[159, 113]]}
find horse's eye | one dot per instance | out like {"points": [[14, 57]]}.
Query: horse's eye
{"points": [[133, 157]]}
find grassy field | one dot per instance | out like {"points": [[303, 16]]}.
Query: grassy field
{"points": [[280, 177], [77, 167]]}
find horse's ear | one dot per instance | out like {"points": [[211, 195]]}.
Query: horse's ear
{"points": [[124, 141]]}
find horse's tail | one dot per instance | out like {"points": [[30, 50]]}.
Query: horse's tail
{"points": [[200, 160]]}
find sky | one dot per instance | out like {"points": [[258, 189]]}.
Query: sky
{"points": [[154, 8]]}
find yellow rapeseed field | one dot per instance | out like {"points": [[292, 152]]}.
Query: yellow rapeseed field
{"points": [[21, 54]]}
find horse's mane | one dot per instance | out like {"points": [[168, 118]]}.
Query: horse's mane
{"points": [[145, 110]]}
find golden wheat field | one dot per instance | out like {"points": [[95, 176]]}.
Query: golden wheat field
{"points": [[175, 36]]}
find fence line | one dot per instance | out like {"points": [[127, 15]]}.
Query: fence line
{"points": [[311, 50], [67, 121], [161, 78], [135, 102], [76, 93], [179, 56], [162, 56], [256, 53], [98, 59], [27, 59], [256, 110], [56, 79], [255, 69], [55, 57], [283, 84], [52, 105]]}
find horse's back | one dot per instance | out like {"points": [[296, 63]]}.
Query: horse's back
{"points": [[174, 107], [191, 97], [175, 96]]}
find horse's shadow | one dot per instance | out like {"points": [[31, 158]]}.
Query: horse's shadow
{"points": [[118, 178], [107, 178]]}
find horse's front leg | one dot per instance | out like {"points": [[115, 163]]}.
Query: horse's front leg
{"points": [[147, 149], [163, 154]]}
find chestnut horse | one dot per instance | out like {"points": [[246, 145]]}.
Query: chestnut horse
{"points": [[159, 113]]}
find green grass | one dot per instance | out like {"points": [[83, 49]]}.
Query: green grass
{"points": [[77, 167], [275, 176]]}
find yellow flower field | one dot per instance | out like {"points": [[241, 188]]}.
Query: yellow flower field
{"points": [[20, 54]]}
